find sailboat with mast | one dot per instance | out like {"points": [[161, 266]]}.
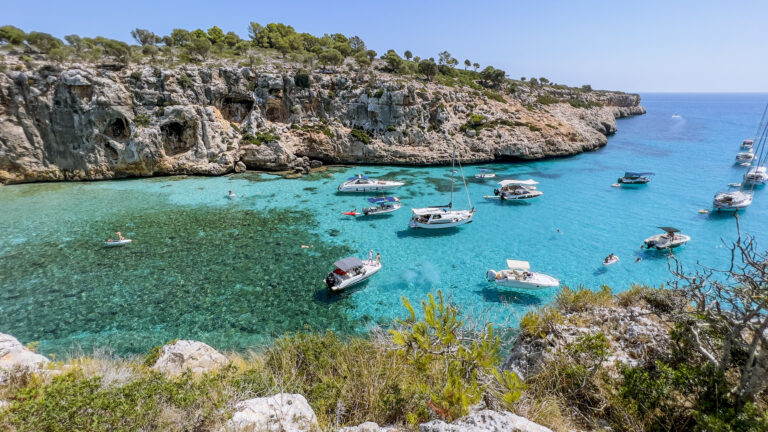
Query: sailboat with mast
{"points": [[758, 174], [444, 216]]}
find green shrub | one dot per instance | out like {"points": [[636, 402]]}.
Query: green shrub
{"points": [[379, 93], [360, 135], [260, 137], [185, 81], [576, 103], [391, 128], [546, 99], [540, 322], [141, 120], [136, 75], [582, 299], [495, 96], [302, 79]]}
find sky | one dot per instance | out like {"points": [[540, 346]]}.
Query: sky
{"points": [[637, 46]]}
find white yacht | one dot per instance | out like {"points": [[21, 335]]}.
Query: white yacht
{"points": [[518, 274], [732, 200], [745, 157], [516, 190], [756, 176], [350, 271], [361, 183], [747, 144], [382, 205], [485, 174], [437, 217], [671, 239], [635, 178]]}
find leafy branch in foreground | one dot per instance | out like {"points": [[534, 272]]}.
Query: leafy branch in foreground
{"points": [[467, 358], [728, 319]]}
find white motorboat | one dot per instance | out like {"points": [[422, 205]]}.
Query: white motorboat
{"points": [[485, 174], [610, 260], [671, 239], [732, 200], [120, 242], [747, 144], [519, 275], [361, 183], [438, 217], [756, 176], [635, 178], [745, 157], [231, 195], [516, 190], [383, 205], [350, 271]]}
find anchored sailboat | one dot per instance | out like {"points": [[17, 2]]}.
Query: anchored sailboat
{"points": [[436, 217]]}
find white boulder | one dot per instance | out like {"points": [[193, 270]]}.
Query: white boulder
{"points": [[282, 412], [485, 421], [14, 355], [181, 355]]}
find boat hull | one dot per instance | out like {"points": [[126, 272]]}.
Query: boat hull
{"points": [[373, 211], [446, 222], [373, 187], [117, 243], [370, 270], [534, 281], [660, 241]]}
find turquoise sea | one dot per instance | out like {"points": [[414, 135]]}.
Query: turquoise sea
{"points": [[232, 272]]}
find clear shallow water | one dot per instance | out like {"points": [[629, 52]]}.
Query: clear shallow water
{"points": [[232, 272]]}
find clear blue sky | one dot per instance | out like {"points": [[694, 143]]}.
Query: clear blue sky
{"points": [[685, 45]]}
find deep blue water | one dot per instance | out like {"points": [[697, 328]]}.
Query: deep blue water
{"points": [[232, 273]]}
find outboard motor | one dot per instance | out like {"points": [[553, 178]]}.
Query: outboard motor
{"points": [[330, 281], [496, 191], [491, 275]]}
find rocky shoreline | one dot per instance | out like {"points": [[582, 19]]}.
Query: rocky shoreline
{"points": [[86, 122]]}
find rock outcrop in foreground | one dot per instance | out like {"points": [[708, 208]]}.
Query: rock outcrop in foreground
{"points": [[15, 356], [78, 122], [197, 357]]}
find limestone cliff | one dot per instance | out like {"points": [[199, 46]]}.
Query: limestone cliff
{"points": [[76, 121]]}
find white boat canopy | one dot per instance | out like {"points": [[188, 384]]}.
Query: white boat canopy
{"points": [[518, 265], [529, 182]]}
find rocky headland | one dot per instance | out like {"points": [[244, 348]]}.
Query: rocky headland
{"points": [[80, 121]]}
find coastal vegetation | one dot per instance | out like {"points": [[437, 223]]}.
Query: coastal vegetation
{"points": [[276, 41]]}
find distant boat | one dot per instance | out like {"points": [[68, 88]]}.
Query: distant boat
{"points": [[747, 144], [383, 205], [756, 176], [518, 274], [516, 190], [670, 240], [635, 178], [485, 174], [732, 200], [745, 157], [361, 183], [120, 242], [675, 115], [350, 271], [610, 260]]}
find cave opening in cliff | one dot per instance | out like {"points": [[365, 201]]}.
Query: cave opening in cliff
{"points": [[178, 137], [118, 129], [235, 109]]}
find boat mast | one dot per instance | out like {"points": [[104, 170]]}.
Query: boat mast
{"points": [[453, 170]]}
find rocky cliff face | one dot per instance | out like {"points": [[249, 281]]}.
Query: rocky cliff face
{"points": [[77, 122]]}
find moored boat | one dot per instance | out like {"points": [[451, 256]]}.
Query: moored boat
{"points": [[485, 174], [351, 271], [745, 157], [382, 205], [732, 200], [747, 144], [361, 183], [756, 176], [120, 242], [635, 178], [671, 239], [516, 190], [518, 274]]}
